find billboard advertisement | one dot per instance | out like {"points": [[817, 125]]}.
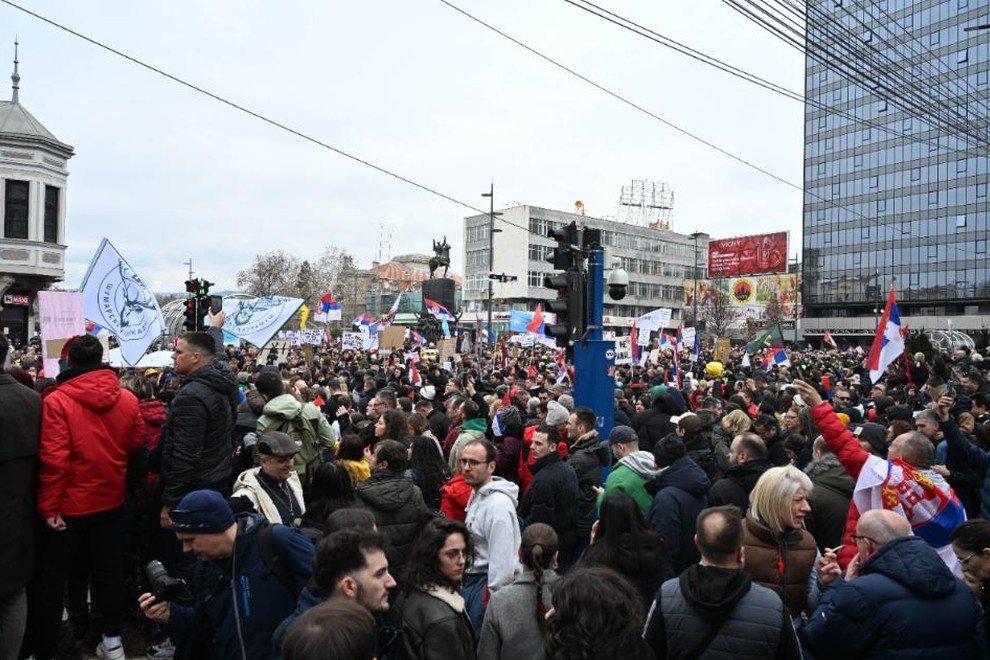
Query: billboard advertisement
{"points": [[762, 254], [744, 297]]}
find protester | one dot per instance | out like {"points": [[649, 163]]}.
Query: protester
{"points": [[632, 468], [515, 621], [587, 455], [274, 489], [971, 544], [435, 624], [553, 495], [747, 462], [339, 629], [830, 497]]}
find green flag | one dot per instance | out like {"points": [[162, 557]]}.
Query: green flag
{"points": [[772, 337]]}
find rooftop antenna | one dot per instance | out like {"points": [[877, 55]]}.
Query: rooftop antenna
{"points": [[16, 77]]}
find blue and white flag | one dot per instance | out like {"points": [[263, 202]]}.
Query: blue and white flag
{"points": [[115, 297], [259, 319]]}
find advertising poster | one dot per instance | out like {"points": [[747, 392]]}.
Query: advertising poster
{"points": [[762, 254]]}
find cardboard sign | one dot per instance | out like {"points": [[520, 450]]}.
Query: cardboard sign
{"points": [[447, 347], [722, 348], [623, 351], [391, 337]]}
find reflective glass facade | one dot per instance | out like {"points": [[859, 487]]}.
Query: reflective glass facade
{"points": [[896, 157]]}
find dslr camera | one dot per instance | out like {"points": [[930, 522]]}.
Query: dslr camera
{"points": [[164, 587]]}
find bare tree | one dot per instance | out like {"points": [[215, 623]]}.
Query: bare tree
{"points": [[718, 314], [774, 312], [271, 274]]}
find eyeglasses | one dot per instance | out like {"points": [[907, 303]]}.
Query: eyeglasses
{"points": [[841, 398], [471, 463], [456, 554], [855, 538], [963, 562]]}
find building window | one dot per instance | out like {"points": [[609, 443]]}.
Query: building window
{"points": [[962, 4], [960, 221], [916, 174], [933, 38], [932, 197], [981, 247], [882, 105], [962, 56], [881, 205], [51, 214], [960, 166], [874, 181], [867, 134], [981, 190], [15, 214]]}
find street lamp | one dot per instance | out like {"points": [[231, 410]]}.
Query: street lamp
{"points": [[491, 250], [694, 315]]}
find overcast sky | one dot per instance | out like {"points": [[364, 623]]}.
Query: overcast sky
{"points": [[168, 174]]}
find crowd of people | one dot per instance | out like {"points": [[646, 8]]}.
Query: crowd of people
{"points": [[353, 505]]}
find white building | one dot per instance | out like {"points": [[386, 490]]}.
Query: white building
{"points": [[658, 262], [33, 179]]}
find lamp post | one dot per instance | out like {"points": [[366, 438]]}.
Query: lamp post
{"points": [[694, 295], [491, 250]]}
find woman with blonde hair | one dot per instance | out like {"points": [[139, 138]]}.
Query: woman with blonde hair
{"points": [[734, 423], [780, 553]]}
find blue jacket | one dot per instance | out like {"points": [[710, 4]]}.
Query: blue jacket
{"points": [[244, 609], [681, 493], [905, 604], [962, 450]]}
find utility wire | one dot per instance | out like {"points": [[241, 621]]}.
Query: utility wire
{"points": [[636, 28]]}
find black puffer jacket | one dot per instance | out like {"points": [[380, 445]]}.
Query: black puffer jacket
{"points": [[680, 493], [737, 484], [399, 510], [654, 423], [552, 498], [196, 440]]}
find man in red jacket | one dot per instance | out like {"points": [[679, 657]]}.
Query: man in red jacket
{"points": [[89, 425]]}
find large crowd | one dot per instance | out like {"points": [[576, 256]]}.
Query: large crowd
{"points": [[343, 504]]}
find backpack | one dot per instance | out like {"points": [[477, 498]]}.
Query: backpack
{"points": [[272, 560], [304, 432]]}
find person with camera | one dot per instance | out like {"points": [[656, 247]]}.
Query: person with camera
{"points": [[247, 578]]}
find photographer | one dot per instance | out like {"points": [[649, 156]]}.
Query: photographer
{"points": [[247, 577]]}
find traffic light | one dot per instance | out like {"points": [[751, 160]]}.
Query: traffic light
{"points": [[191, 314], [569, 306], [566, 255]]}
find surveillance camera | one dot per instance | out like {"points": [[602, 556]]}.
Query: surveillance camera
{"points": [[618, 282]]}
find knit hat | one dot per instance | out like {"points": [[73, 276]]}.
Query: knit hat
{"points": [[668, 449], [556, 414], [622, 435], [202, 512], [689, 422], [656, 391], [875, 434]]}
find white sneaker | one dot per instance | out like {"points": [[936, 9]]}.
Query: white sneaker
{"points": [[163, 651], [116, 653]]}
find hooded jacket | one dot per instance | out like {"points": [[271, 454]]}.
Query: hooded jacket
{"points": [[552, 498], [287, 407], [454, 498], [737, 484], [399, 510], [681, 493], [829, 501], [630, 476], [752, 621], [89, 426], [904, 604], [196, 441], [491, 517], [587, 456]]}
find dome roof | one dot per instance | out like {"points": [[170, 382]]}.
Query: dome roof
{"points": [[17, 122]]}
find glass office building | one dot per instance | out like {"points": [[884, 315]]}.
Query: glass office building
{"points": [[896, 159]]}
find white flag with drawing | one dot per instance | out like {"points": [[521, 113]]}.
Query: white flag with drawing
{"points": [[259, 319], [115, 298]]}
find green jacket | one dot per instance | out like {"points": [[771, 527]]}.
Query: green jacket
{"points": [[629, 476]]}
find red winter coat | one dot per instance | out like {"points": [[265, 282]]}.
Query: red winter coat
{"points": [[454, 496], [88, 427], [153, 414]]}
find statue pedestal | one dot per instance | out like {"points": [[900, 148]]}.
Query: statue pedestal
{"points": [[441, 291]]}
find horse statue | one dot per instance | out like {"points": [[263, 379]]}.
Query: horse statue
{"points": [[441, 257]]}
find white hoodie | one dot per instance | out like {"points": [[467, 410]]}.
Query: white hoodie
{"points": [[491, 517]]}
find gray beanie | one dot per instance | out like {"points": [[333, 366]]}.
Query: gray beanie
{"points": [[556, 414]]}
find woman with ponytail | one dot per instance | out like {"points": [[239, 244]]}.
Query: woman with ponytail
{"points": [[516, 616]]}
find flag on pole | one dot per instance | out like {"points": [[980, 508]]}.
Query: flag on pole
{"points": [[115, 297], [436, 309], [636, 349], [772, 337], [667, 343], [536, 325], [414, 377], [677, 356], [888, 343], [328, 309], [416, 337], [363, 319], [827, 338], [775, 357]]}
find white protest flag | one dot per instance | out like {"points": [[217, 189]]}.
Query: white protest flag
{"points": [[115, 298], [259, 319]]}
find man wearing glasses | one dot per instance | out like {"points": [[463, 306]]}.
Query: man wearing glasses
{"points": [[897, 599], [491, 517]]}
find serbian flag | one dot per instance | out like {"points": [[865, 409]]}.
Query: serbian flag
{"points": [[414, 378], [667, 343], [436, 309], [889, 342], [387, 319], [363, 319], [636, 348], [677, 356], [827, 338], [328, 309], [776, 357], [416, 337], [536, 325]]}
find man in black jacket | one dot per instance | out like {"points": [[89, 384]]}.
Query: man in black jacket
{"points": [[196, 440], [552, 496], [747, 461], [714, 606]]}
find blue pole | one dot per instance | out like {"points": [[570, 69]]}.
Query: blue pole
{"points": [[594, 358]]}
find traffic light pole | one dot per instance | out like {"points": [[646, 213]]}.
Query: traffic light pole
{"points": [[594, 357]]}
